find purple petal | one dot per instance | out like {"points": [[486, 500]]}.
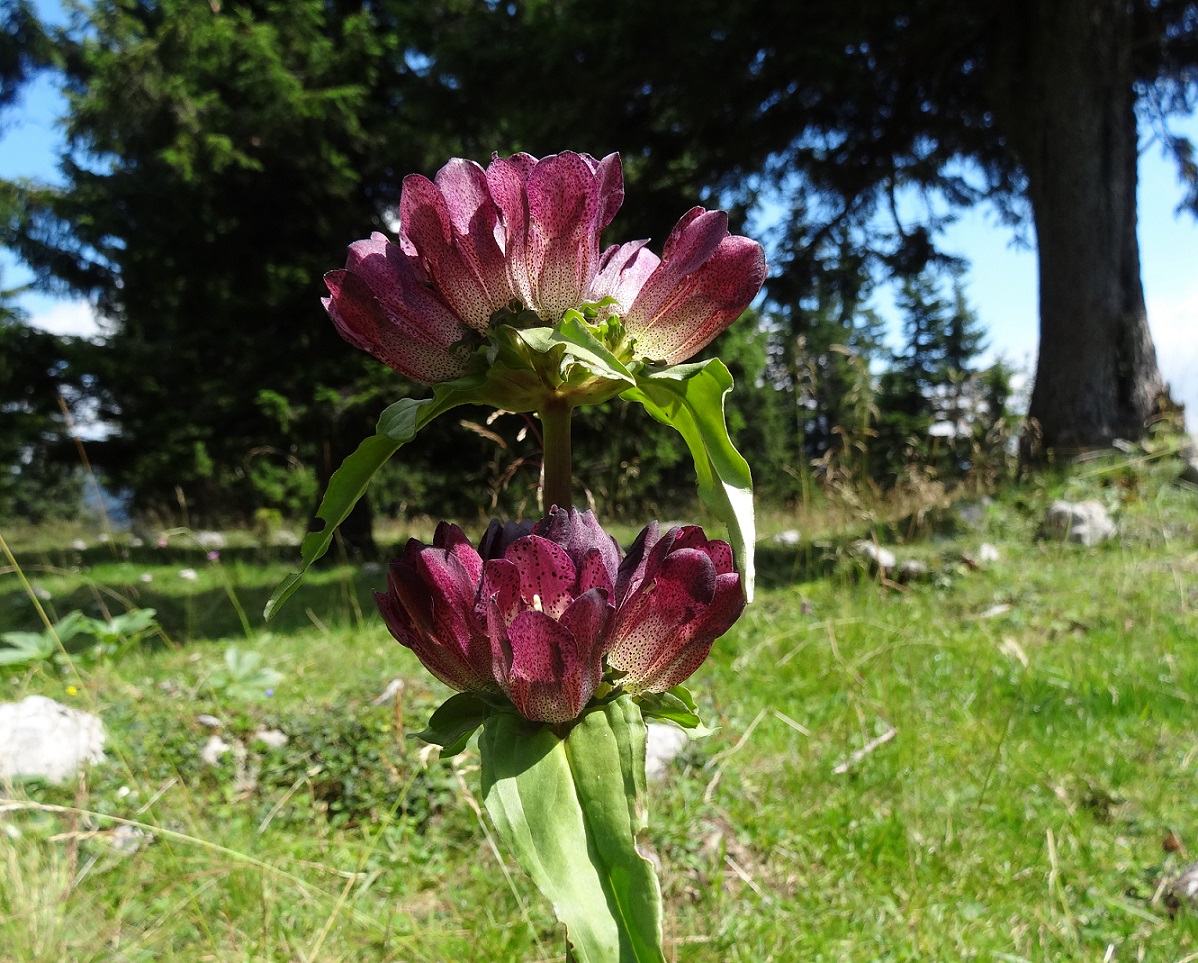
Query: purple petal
{"points": [[553, 212], [563, 236], [499, 535], [676, 603], [588, 619], [547, 575], [454, 541], [580, 534], [693, 241], [623, 270], [451, 224], [500, 590], [451, 648], [705, 280], [396, 341], [675, 667], [506, 179], [611, 188], [644, 559], [552, 676]]}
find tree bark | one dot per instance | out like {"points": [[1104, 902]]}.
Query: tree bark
{"points": [[1069, 108]]}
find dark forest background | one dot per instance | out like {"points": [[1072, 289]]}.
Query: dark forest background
{"points": [[220, 156]]}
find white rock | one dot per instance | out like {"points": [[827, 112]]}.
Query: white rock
{"points": [[1185, 887], [207, 721], [210, 539], [188, 574], [971, 514], [1086, 523], [79, 545], [387, 696], [913, 570], [213, 749], [988, 553], [40, 737], [662, 744], [129, 839], [788, 538], [274, 738], [880, 558]]}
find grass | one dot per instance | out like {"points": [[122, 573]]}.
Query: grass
{"points": [[1043, 750]]}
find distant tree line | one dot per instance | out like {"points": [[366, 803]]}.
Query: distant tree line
{"points": [[220, 157]]}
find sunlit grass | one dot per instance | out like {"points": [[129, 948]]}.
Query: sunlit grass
{"points": [[1043, 748]]}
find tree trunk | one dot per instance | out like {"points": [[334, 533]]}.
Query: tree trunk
{"points": [[1070, 113]]}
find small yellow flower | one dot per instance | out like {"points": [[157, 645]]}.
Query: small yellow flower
{"points": [[71, 690]]}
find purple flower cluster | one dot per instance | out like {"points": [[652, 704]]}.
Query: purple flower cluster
{"points": [[525, 232], [538, 613]]}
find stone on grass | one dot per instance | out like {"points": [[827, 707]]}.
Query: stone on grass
{"points": [[1183, 891], [913, 570], [973, 514], [127, 840], [788, 538], [207, 721], [271, 738], [1085, 523], [880, 559], [988, 553], [210, 540], [42, 738], [663, 742], [213, 749]]}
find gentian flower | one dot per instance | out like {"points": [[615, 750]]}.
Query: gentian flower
{"points": [[420, 306], [518, 244], [676, 593], [539, 613], [553, 211]]}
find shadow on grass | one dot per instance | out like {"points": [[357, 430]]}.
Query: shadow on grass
{"points": [[222, 603]]}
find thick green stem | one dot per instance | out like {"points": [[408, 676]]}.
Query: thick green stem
{"points": [[556, 470]]}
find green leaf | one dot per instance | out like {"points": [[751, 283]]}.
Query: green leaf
{"points": [[72, 624], [570, 810], [397, 426], [690, 399], [676, 706], [454, 722], [24, 647]]}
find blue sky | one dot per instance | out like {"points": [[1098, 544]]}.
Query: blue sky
{"points": [[1001, 282]]}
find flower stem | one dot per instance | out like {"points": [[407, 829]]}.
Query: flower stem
{"points": [[556, 469]]}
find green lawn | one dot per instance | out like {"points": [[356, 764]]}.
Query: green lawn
{"points": [[1044, 746]]}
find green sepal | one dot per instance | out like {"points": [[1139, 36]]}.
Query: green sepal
{"points": [[677, 706], [397, 426], [690, 399], [454, 722], [576, 362], [570, 810]]}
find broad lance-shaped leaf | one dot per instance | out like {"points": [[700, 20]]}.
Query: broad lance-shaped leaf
{"points": [[570, 812], [397, 425], [454, 722], [690, 399]]}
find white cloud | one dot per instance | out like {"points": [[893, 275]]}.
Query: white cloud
{"points": [[68, 317], [1174, 324]]}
